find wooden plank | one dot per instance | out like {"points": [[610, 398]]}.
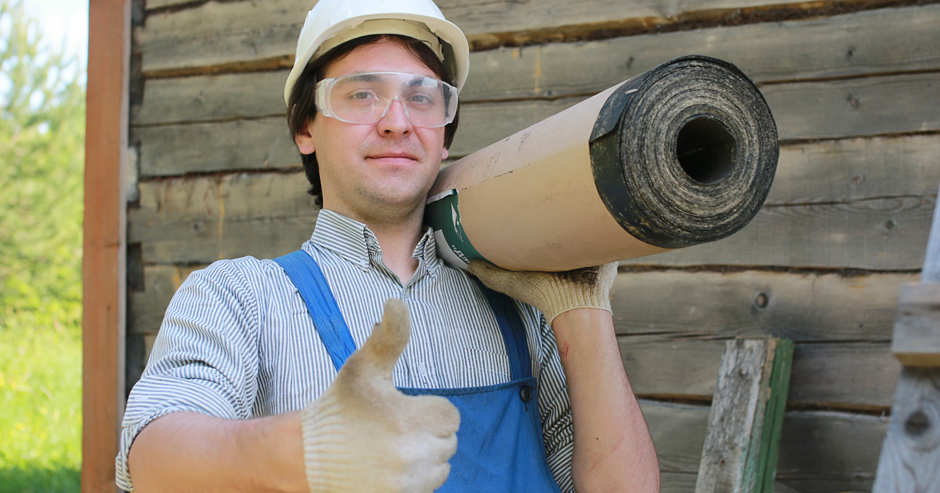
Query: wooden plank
{"points": [[876, 233], [745, 417], [819, 451], [880, 234], [879, 41], [835, 375], [104, 248], [905, 40], [867, 234], [916, 337], [155, 4], [234, 145], [261, 214], [885, 105], [146, 308], [223, 33], [832, 374], [910, 458], [801, 307]]}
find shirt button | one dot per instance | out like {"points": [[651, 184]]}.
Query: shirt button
{"points": [[525, 393]]}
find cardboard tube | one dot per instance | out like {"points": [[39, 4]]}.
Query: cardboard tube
{"points": [[680, 155]]}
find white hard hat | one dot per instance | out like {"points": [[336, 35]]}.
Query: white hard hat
{"points": [[333, 22]]}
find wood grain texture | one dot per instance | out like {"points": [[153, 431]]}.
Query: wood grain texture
{"points": [[736, 418], [213, 34], [831, 374], [849, 375], [820, 451], [104, 242], [155, 4], [910, 458], [801, 307], [221, 33], [862, 203], [916, 336], [883, 105], [879, 41], [213, 217], [234, 145]]}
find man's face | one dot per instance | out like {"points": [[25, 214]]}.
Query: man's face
{"points": [[378, 170]]}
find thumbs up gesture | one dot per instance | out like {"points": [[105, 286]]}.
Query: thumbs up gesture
{"points": [[363, 434]]}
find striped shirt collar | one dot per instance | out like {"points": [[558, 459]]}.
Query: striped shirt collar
{"points": [[357, 244]]}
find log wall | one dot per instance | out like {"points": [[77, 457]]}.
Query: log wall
{"points": [[854, 86]]}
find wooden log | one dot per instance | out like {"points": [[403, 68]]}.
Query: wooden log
{"points": [[261, 214], [882, 105], [910, 457], [916, 341], [870, 42], [803, 307], [870, 234], [820, 451], [741, 444], [905, 40], [228, 34], [219, 33], [832, 375], [201, 147]]}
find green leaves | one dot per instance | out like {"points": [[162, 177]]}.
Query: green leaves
{"points": [[42, 130]]}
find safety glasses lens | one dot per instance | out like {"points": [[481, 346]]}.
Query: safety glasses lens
{"points": [[367, 98]]}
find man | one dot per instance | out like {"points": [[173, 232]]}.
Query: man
{"points": [[372, 107]]}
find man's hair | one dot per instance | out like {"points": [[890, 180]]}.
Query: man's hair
{"points": [[302, 109]]}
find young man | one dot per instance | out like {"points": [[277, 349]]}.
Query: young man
{"points": [[372, 107]]}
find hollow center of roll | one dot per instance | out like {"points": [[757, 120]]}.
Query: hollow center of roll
{"points": [[705, 150]]}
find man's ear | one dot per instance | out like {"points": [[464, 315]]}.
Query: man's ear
{"points": [[304, 139], [444, 154]]}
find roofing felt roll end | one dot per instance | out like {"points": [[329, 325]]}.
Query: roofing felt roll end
{"points": [[680, 155]]}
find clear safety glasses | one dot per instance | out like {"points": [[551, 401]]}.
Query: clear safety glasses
{"points": [[367, 97]]}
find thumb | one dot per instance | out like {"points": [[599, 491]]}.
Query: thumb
{"points": [[377, 357]]}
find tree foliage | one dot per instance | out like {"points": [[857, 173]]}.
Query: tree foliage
{"points": [[42, 130]]}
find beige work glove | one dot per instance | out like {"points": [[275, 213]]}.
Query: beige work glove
{"points": [[363, 434], [553, 293]]}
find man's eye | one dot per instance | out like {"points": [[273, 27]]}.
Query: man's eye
{"points": [[421, 99], [361, 96]]}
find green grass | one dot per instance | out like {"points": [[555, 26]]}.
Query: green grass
{"points": [[40, 409]]}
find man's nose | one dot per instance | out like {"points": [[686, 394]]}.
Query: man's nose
{"points": [[395, 119]]}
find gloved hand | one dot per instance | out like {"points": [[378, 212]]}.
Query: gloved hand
{"points": [[552, 293], [363, 434]]}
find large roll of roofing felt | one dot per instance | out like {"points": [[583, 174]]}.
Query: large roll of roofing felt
{"points": [[680, 155]]}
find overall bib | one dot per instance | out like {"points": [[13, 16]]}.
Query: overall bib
{"points": [[499, 443]]}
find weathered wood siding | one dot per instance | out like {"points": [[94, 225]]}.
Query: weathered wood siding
{"points": [[854, 86]]}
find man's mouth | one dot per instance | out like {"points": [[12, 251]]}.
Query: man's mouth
{"points": [[392, 156]]}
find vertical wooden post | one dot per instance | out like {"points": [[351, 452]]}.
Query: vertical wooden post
{"points": [[910, 456], [106, 127]]}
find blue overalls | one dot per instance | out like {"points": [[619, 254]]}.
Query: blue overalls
{"points": [[499, 443]]}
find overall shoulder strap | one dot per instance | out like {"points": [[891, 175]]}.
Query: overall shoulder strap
{"points": [[510, 324], [306, 275]]}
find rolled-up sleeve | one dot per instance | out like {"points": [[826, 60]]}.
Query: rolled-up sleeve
{"points": [[555, 409], [205, 358]]}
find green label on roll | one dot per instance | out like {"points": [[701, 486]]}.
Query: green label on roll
{"points": [[442, 214]]}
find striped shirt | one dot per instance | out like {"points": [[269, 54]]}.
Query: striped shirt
{"points": [[237, 341]]}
